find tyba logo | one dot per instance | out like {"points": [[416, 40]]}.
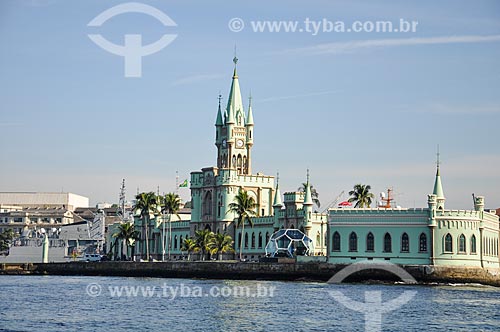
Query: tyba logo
{"points": [[373, 307], [132, 50]]}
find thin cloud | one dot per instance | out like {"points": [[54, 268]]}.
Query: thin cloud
{"points": [[303, 95], [352, 46], [196, 79], [443, 108]]}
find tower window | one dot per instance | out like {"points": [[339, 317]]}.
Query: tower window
{"points": [[448, 243], [422, 247], [473, 244], [461, 243], [405, 243], [387, 243], [370, 242], [336, 242], [353, 242]]}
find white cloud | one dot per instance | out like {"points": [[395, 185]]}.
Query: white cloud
{"points": [[351, 46]]}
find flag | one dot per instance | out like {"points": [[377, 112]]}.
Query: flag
{"points": [[184, 184]]}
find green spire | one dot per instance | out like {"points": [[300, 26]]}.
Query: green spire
{"points": [[277, 195], [438, 187], [307, 196], [234, 102], [250, 114], [218, 122]]}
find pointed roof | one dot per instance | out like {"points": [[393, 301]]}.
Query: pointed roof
{"points": [[307, 196], [277, 195], [234, 102], [218, 122], [250, 114], [438, 186]]}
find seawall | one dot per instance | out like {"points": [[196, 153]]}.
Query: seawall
{"points": [[263, 271]]}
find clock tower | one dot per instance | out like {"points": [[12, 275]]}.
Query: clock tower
{"points": [[234, 131]]}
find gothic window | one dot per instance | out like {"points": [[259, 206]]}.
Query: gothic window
{"points": [[246, 240], [336, 242], [353, 242], [253, 240], [234, 161], [318, 239], [422, 247], [370, 242], [405, 243], [180, 242], [175, 242], [267, 237], [387, 243], [239, 240], [260, 240], [239, 163], [245, 163], [448, 243], [207, 204], [473, 244], [461, 243]]}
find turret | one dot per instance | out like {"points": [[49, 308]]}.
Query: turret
{"points": [[307, 207], [438, 188], [479, 203], [432, 203], [277, 204]]}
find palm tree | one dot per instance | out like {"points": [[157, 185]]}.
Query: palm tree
{"points": [[314, 193], [203, 237], [146, 205], [188, 245], [244, 208], [220, 244], [170, 204], [127, 233], [361, 195]]}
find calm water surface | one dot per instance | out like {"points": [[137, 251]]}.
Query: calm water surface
{"points": [[57, 303]]}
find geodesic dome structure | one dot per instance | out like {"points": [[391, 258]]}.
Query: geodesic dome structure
{"points": [[289, 243]]}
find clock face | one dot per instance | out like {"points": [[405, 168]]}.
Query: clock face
{"points": [[239, 143]]}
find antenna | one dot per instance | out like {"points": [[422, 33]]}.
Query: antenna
{"points": [[122, 198], [177, 180]]}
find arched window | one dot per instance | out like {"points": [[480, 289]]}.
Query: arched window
{"points": [[370, 242], [207, 204], [175, 242], [387, 243], [461, 243], [267, 237], [353, 242], [260, 240], [239, 240], [246, 240], [336, 242], [422, 246], [318, 239], [405, 243], [180, 242], [473, 244], [233, 165], [253, 239], [448, 243]]}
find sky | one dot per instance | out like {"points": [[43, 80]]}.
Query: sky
{"points": [[366, 107]]}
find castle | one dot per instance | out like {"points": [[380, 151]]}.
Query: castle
{"points": [[421, 236]]}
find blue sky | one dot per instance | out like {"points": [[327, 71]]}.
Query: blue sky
{"points": [[358, 107]]}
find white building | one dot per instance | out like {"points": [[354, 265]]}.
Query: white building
{"points": [[67, 201]]}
